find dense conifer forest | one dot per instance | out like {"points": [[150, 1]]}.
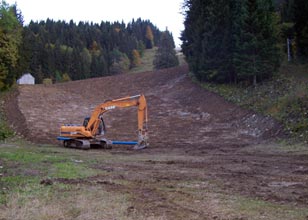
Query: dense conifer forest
{"points": [[62, 51], [232, 41]]}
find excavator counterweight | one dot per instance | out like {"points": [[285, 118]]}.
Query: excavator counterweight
{"points": [[91, 132]]}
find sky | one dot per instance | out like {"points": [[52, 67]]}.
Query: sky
{"points": [[162, 13]]}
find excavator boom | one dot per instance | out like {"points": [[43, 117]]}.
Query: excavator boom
{"points": [[86, 134]]}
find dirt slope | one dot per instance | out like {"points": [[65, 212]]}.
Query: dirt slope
{"points": [[211, 136], [179, 111]]}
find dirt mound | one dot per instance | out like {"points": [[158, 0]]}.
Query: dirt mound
{"points": [[180, 112]]}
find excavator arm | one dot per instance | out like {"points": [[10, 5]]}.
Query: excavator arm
{"points": [[92, 127], [138, 100]]}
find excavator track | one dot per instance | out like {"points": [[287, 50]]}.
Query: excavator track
{"points": [[77, 143]]}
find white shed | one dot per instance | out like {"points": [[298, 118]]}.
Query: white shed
{"points": [[26, 78]]}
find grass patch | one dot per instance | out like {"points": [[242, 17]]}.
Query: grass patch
{"points": [[57, 163], [70, 170], [146, 62], [74, 203], [28, 155], [257, 209], [279, 147], [15, 184], [23, 166], [148, 58], [16, 181], [218, 205]]}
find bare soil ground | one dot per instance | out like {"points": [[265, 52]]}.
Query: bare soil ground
{"points": [[210, 145]]}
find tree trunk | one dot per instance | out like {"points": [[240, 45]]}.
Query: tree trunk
{"points": [[254, 80]]}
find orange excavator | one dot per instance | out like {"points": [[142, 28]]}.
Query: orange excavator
{"points": [[91, 133]]}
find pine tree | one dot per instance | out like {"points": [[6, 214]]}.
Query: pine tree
{"points": [[86, 60], [287, 11], [165, 56], [205, 38], [301, 26], [195, 21], [287, 28], [260, 56], [238, 14], [216, 45]]}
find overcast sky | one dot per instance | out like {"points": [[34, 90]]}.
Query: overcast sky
{"points": [[162, 13]]}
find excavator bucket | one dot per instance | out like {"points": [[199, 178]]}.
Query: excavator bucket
{"points": [[141, 145], [137, 146]]}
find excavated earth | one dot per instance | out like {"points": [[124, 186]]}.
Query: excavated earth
{"points": [[180, 112], [184, 119]]}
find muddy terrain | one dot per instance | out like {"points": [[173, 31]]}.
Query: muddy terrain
{"points": [[217, 141]]}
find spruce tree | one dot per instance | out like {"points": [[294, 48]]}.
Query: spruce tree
{"points": [[165, 56], [206, 38], [192, 36], [260, 55], [217, 46], [301, 26], [238, 14]]}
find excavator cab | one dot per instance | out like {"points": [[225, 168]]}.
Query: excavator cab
{"points": [[86, 121], [101, 129]]}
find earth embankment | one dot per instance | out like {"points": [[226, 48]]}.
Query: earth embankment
{"points": [[180, 112]]}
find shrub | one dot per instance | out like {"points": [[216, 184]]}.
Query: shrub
{"points": [[47, 81], [66, 78]]}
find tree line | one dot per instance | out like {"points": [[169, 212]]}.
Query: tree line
{"points": [[232, 41], [85, 50], [57, 48], [62, 51]]}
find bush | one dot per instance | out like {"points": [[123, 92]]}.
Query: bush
{"points": [[66, 78], [120, 63], [47, 81], [5, 132]]}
